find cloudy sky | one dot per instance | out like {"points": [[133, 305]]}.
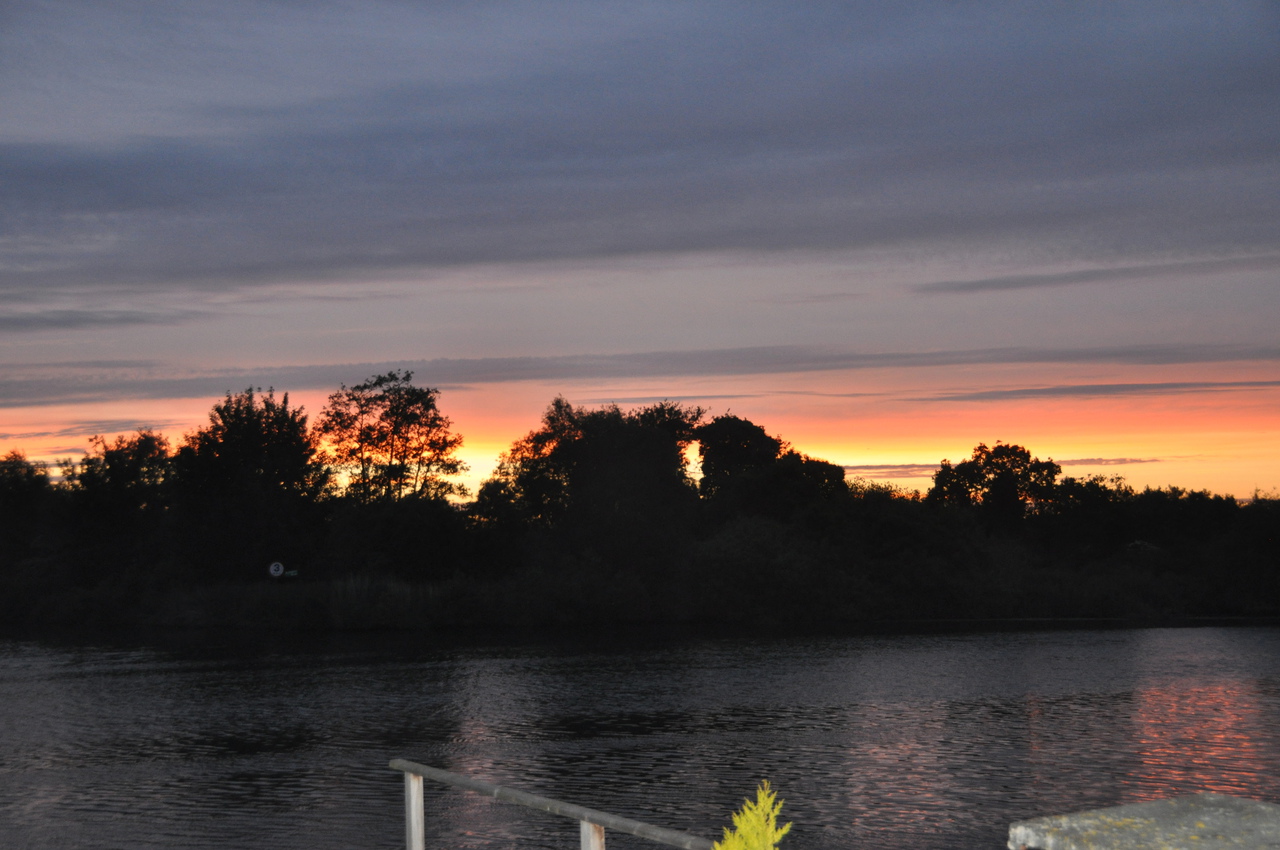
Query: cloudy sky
{"points": [[884, 231]]}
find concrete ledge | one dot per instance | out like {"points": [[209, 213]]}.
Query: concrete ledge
{"points": [[1197, 822]]}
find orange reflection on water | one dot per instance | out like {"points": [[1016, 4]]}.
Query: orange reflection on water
{"points": [[1204, 737]]}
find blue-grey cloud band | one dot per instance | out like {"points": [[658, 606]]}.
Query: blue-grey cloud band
{"points": [[1099, 390], [61, 385], [45, 320], [1269, 262], [1114, 131], [89, 427]]}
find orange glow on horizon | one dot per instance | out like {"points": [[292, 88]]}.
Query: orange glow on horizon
{"points": [[1222, 441]]}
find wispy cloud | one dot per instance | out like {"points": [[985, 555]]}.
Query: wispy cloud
{"points": [[926, 470], [1096, 390], [79, 365], [1120, 274], [44, 320], [1109, 461], [655, 399], [892, 470], [88, 428], [100, 384], [819, 394]]}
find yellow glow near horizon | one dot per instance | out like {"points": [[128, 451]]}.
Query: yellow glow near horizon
{"points": [[1225, 442]]}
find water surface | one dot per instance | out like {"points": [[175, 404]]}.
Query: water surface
{"points": [[933, 741]]}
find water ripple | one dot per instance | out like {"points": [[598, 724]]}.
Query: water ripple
{"points": [[878, 742]]}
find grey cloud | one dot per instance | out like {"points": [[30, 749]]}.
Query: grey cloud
{"points": [[74, 365], [926, 470], [893, 470], [67, 319], [1096, 390], [88, 428], [817, 394], [456, 374], [1113, 275], [696, 127], [152, 175], [67, 451], [655, 399]]}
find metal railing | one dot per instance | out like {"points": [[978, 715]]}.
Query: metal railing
{"points": [[592, 823]]}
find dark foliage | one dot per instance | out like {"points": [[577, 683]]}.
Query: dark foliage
{"points": [[391, 440], [593, 517], [247, 488], [25, 496], [1005, 481], [118, 494], [609, 484], [415, 540], [730, 448], [747, 472]]}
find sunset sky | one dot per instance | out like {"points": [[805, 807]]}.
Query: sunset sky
{"points": [[884, 231]]}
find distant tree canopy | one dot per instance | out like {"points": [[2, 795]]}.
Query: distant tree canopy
{"points": [[747, 471], [128, 473], [21, 479], [593, 515], [390, 439], [589, 464], [1005, 480], [24, 486], [730, 448], [246, 486], [253, 447]]}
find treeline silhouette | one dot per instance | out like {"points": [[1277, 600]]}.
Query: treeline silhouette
{"points": [[593, 517]]}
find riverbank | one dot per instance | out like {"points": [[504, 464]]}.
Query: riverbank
{"points": [[989, 596]]}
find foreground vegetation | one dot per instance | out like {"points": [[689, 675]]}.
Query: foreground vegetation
{"points": [[593, 517]]}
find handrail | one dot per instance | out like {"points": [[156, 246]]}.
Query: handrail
{"points": [[593, 823]]}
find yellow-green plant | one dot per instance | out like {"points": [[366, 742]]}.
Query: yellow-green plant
{"points": [[756, 826]]}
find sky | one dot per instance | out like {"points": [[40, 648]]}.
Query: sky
{"points": [[886, 232]]}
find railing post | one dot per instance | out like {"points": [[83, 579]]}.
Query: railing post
{"points": [[591, 822], [414, 822], [592, 835]]}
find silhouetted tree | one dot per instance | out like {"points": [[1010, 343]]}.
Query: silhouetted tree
{"points": [[21, 480], [1174, 516], [1257, 534], [747, 472], [124, 476], [391, 440], [729, 448], [1087, 516], [1005, 480], [118, 499], [808, 479], [495, 504], [605, 468], [416, 539], [252, 445], [24, 492], [499, 529], [246, 485], [1090, 493]]}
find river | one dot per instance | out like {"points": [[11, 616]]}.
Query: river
{"points": [[890, 741]]}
